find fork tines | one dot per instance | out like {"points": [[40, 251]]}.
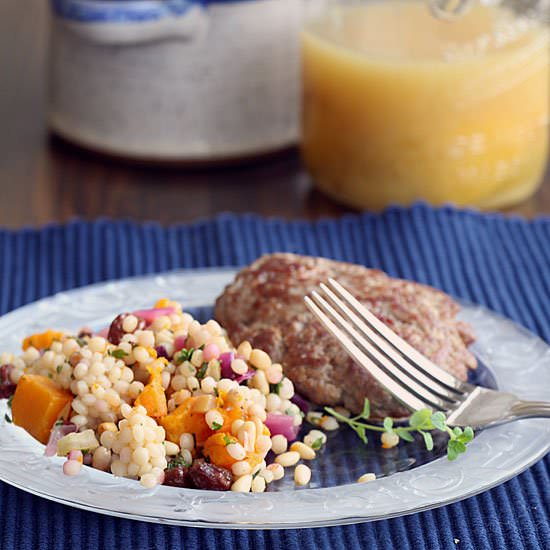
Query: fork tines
{"points": [[412, 378]]}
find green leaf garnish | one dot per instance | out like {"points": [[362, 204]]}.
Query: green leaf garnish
{"points": [[423, 421], [366, 410], [317, 444], [361, 431], [183, 355], [178, 460], [274, 388], [118, 353], [7, 418], [216, 426], [227, 440], [439, 421], [428, 440], [59, 369], [404, 434], [202, 371], [10, 400]]}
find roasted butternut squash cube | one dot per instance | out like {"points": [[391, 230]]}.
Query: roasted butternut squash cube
{"points": [[153, 397], [37, 404], [184, 420]]}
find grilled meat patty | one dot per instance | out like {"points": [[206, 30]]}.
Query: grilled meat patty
{"points": [[264, 304]]}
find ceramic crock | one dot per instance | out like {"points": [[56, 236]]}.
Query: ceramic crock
{"points": [[175, 80]]}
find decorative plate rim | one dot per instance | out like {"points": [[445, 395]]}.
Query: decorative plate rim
{"points": [[494, 456]]}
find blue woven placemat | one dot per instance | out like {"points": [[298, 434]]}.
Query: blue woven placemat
{"points": [[502, 263]]}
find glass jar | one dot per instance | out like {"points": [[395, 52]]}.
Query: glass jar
{"points": [[399, 105]]}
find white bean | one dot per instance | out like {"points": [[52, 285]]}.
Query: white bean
{"points": [[288, 459], [302, 474], [305, 452], [258, 484], [279, 444], [243, 484], [365, 478]]}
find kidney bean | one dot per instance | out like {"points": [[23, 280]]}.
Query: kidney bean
{"points": [[209, 476], [116, 332], [7, 387], [178, 476], [85, 332]]}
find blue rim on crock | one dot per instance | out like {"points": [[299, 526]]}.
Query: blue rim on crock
{"points": [[121, 11]]}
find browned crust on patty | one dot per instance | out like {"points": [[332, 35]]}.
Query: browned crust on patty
{"points": [[264, 304]]}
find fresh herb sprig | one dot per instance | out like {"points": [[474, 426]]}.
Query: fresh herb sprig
{"points": [[118, 353], [423, 421], [178, 460]]}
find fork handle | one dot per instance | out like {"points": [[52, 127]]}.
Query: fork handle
{"points": [[530, 409]]}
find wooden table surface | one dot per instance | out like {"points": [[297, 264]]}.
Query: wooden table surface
{"points": [[43, 179]]}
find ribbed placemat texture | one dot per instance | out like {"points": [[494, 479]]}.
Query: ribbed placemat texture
{"points": [[502, 263]]}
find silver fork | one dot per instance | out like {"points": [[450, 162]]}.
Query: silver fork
{"points": [[411, 377]]}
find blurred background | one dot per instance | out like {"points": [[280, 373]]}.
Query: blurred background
{"points": [[172, 111]]}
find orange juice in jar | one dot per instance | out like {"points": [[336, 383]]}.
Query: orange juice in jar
{"points": [[400, 106]]}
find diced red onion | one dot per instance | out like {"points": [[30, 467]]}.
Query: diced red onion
{"points": [[149, 315], [161, 352], [225, 359], [210, 351], [282, 424], [179, 343], [56, 434], [7, 387], [75, 454], [246, 376], [302, 403]]}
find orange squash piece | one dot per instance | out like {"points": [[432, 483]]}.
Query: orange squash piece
{"points": [[37, 404], [162, 303], [153, 397], [215, 448], [182, 420], [41, 340]]}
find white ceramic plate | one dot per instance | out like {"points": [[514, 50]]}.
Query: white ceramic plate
{"points": [[519, 361]]}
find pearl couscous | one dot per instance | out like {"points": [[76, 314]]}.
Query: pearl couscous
{"points": [[161, 398]]}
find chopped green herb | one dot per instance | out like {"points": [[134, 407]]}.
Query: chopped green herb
{"points": [[81, 342], [59, 422], [118, 353], [183, 355], [7, 418], [50, 375], [227, 440], [317, 444], [274, 388], [59, 368], [201, 373], [10, 400], [216, 426], [178, 460], [423, 421]]}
